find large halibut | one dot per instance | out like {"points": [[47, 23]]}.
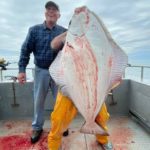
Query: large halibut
{"points": [[89, 66]]}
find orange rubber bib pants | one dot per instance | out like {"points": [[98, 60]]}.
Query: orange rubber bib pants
{"points": [[63, 114]]}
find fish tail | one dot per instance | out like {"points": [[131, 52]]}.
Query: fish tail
{"points": [[93, 128]]}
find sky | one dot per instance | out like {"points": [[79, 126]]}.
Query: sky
{"points": [[128, 22]]}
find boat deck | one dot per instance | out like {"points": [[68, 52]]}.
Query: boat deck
{"points": [[125, 134]]}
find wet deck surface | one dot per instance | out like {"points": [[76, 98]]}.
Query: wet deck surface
{"points": [[125, 134]]}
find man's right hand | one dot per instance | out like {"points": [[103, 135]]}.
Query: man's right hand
{"points": [[22, 78]]}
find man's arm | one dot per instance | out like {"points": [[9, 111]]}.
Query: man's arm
{"points": [[26, 50], [58, 42]]}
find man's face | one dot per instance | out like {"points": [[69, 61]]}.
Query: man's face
{"points": [[51, 14]]}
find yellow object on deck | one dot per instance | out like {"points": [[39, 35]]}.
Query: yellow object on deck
{"points": [[2, 60], [63, 114]]}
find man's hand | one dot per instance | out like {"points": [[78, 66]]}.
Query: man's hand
{"points": [[22, 78], [80, 9]]}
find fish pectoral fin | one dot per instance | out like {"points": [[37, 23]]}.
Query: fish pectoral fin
{"points": [[93, 128]]}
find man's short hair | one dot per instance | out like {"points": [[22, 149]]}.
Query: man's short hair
{"points": [[51, 4]]}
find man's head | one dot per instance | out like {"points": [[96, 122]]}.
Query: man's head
{"points": [[51, 12]]}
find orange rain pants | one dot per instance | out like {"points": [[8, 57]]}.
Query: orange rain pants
{"points": [[63, 114]]}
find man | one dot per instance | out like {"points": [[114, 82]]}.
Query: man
{"points": [[37, 41], [65, 111]]}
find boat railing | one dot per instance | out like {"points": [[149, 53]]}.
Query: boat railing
{"points": [[30, 72], [10, 76], [141, 72]]}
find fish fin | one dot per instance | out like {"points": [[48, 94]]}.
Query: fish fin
{"points": [[93, 128]]}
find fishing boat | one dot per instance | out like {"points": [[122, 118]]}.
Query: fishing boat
{"points": [[128, 105]]}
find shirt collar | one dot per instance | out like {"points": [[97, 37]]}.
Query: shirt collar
{"points": [[45, 27]]}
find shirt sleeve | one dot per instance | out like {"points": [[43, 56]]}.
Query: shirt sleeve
{"points": [[26, 49]]}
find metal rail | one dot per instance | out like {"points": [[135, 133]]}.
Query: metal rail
{"points": [[2, 71], [142, 70], [32, 70]]}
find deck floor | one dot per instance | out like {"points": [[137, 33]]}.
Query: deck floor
{"points": [[125, 134]]}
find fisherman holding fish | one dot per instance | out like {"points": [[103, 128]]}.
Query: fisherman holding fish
{"points": [[37, 41], [65, 111]]}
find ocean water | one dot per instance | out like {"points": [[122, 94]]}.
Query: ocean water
{"points": [[12, 69], [133, 73]]}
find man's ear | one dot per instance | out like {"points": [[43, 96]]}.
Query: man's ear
{"points": [[59, 15]]}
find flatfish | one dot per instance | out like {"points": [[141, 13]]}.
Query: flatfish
{"points": [[89, 66]]}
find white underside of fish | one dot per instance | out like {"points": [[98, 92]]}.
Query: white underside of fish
{"points": [[89, 65]]}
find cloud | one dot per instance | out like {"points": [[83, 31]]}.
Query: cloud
{"points": [[128, 21]]}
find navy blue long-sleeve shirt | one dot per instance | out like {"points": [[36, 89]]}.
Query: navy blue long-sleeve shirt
{"points": [[38, 41]]}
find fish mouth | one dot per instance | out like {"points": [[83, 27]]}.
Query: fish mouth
{"points": [[77, 35]]}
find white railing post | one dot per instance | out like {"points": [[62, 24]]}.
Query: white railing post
{"points": [[142, 73], [1, 75]]}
